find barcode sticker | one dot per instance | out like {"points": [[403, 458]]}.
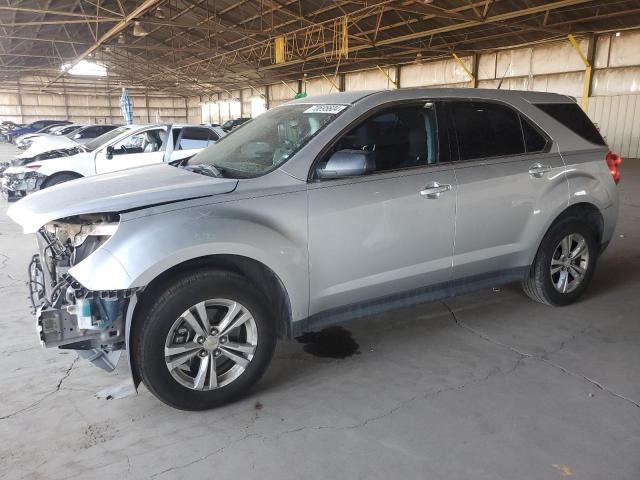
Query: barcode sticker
{"points": [[332, 109]]}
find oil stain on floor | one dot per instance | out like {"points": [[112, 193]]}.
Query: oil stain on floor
{"points": [[332, 342]]}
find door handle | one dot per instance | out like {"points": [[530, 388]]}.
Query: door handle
{"points": [[434, 189], [537, 170]]}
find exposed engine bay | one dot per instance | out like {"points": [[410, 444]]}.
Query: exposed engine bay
{"points": [[68, 315]]}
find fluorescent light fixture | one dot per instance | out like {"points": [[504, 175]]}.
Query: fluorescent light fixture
{"points": [[86, 68], [139, 30]]}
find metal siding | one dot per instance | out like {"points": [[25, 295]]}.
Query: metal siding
{"points": [[619, 120]]}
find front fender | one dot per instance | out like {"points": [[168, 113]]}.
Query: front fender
{"points": [[81, 164], [271, 230]]}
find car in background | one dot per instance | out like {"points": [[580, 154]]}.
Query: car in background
{"points": [[125, 147], [234, 123], [5, 127], [33, 127], [88, 133], [78, 136], [24, 141]]}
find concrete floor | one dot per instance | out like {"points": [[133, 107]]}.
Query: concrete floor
{"points": [[497, 387]]}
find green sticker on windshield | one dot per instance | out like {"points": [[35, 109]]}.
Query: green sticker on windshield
{"points": [[331, 109]]}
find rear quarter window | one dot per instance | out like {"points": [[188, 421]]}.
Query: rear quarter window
{"points": [[574, 118]]}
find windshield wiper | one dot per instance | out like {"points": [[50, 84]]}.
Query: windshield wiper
{"points": [[203, 169]]}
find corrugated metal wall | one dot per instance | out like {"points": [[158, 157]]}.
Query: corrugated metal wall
{"points": [[619, 120], [85, 109]]}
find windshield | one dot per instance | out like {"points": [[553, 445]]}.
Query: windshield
{"points": [[104, 138], [267, 141]]}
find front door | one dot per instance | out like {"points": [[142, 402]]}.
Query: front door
{"points": [[138, 149], [384, 239]]}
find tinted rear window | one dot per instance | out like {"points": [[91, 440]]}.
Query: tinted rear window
{"points": [[486, 130], [574, 118]]}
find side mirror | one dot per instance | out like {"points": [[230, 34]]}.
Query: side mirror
{"points": [[110, 152], [347, 163]]}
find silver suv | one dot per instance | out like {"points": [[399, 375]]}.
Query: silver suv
{"points": [[319, 211]]}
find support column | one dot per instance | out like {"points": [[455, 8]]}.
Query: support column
{"points": [[146, 104], [475, 61], [397, 71], [66, 104], [20, 102], [587, 59]]}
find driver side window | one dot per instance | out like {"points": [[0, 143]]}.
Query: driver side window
{"points": [[397, 138], [143, 142]]}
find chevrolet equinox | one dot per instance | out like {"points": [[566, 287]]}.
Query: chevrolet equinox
{"points": [[318, 211]]}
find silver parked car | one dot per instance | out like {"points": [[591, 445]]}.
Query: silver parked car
{"points": [[319, 211]]}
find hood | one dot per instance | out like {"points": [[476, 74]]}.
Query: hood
{"points": [[114, 192], [45, 143]]}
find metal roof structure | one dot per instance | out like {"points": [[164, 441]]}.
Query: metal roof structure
{"points": [[203, 46]]}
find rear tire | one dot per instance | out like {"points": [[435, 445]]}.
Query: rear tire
{"points": [[564, 264], [173, 322]]}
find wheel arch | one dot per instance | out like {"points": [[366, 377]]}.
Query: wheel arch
{"points": [[257, 273], [50, 178], [584, 211]]}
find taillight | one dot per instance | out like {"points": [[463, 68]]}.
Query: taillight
{"points": [[613, 162]]}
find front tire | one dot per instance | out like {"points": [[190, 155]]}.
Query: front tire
{"points": [[205, 340], [564, 264]]}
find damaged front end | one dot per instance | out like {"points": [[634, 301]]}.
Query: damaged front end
{"points": [[68, 315], [20, 181]]}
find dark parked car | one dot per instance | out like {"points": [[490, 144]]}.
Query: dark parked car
{"points": [[88, 133], [234, 123], [34, 127]]}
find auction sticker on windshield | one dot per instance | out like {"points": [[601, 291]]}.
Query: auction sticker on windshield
{"points": [[333, 109]]}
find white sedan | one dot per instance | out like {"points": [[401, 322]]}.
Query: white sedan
{"points": [[125, 147]]}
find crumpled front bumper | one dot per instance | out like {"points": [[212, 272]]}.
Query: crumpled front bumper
{"points": [[3, 166], [91, 323], [15, 185]]}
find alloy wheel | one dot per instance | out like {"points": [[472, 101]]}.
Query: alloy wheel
{"points": [[569, 263], [211, 344]]}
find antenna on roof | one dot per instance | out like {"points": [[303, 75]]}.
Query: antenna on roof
{"points": [[504, 75]]}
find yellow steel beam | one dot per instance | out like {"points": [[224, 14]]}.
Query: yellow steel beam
{"points": [[335, 85], [472, 77], [387, 75], [586, 84]]}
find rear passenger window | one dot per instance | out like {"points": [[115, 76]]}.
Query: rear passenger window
{"points": [[196, 138], [534, 141], [574, 118], [399, 137], [486, 130]]}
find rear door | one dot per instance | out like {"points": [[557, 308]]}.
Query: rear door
{"points": [[140, 148], [382, 240], [506, 174]]}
